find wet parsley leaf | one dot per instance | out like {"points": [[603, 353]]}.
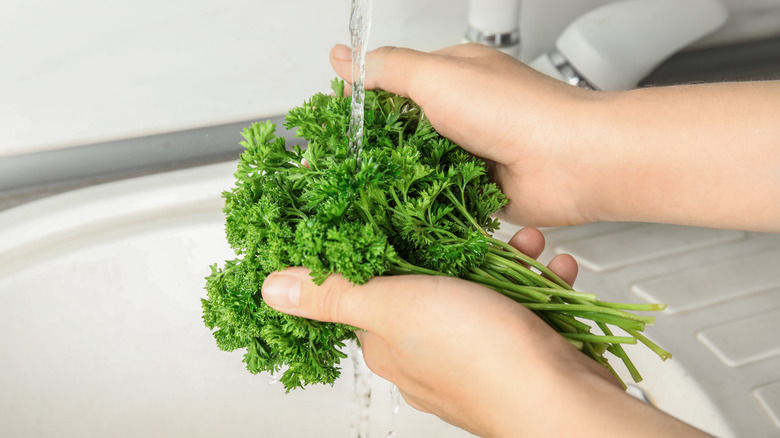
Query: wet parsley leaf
{"points": [[417, 203]]}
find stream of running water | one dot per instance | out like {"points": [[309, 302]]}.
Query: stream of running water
{"points": [[359, 28]]}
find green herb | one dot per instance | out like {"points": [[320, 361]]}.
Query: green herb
{"points": [[417, 204]]}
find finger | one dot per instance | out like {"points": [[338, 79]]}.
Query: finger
{"points": [[292, 291], [429, 80], [341, 61], [565, 266], [469, 50], [529, 241], [389, 68], [368, 306]]}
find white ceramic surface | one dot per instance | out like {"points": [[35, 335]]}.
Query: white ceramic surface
{"points": [[101, 332]]}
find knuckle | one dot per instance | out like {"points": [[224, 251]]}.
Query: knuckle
{"points": [[386, 50], [331, 299]]}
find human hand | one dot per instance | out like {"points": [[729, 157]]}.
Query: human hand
{"points": [[474, 357], [497, 108], [461, 351], [565, 155]]}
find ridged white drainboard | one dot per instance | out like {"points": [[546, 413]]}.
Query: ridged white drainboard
{"points": [[722, 288], [101, 332]]}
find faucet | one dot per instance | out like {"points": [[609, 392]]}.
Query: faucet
{"points": [[611, 47], [616, 45], [495, 23]]}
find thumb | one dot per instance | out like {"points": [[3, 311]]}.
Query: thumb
{"points": [[292, 291], [389, 68], [440, 82]]}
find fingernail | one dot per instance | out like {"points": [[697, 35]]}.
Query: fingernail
{"points": [[282, 290], [342, 52]]}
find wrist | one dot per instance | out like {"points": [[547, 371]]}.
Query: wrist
{"points": [[616, 160], [588, 155], [668, 155], [591, 402]]}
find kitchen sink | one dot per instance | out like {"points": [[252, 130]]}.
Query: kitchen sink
{"points": [[100, 320]]}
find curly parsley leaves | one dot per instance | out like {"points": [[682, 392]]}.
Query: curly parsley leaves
{"points": [[417, 203]]}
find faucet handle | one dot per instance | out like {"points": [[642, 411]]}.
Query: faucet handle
{"points": [[615, 46]]}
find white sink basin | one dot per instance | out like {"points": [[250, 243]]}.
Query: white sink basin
{"points": [[101, 331]]}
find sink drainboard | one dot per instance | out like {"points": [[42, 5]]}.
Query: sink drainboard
{"points": [[722, 288]]}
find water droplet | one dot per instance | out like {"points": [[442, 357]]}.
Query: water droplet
{"points": [[274, 376], [362, 393], [395, 404], [395, 398]]}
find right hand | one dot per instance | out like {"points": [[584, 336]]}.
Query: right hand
{"points": [[498, 109], [701, 154]]}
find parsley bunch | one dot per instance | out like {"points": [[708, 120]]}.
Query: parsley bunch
{"points": [[415, 203]]}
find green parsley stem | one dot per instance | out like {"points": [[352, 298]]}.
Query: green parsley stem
{"points": [[650, 344], [589, 308], [604, 339], [462, 209], [534, 295], [517, 255]]}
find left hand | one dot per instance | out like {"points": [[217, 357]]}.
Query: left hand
{"points": [[454, 348]]}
